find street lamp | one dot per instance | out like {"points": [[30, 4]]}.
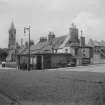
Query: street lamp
{"points": [[28, 29]]}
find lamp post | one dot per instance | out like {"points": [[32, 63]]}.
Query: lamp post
{"points": [[28, 29]]}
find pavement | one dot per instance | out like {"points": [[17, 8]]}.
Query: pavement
{"points": [[6, 68], [89, 68]]}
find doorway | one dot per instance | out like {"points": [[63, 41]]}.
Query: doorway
{"points": [[39, 62]]}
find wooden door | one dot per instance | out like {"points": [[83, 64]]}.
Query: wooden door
{"points": [[39, 62]]}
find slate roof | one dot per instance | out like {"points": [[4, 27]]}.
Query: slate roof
{"points": [[68, 44], [21, 50], [46, 46], [58, 41]]}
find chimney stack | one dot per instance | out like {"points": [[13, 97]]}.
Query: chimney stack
{"points": [[51, 36], [43, 39], [73, 32], [82, 41]]}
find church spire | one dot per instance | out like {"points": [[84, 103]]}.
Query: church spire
{"points": [[12, 36], [12, 25]]}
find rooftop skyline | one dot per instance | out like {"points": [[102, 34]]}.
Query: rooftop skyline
{"points": [[52, 15]]}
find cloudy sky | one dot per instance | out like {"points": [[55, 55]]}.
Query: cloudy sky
{"points": [[52, 15]]}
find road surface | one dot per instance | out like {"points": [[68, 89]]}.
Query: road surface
{"points": [[89, 68]]}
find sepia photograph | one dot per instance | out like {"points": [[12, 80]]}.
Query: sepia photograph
{"points": [[52, 52]]}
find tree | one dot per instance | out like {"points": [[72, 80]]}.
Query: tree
{"points": [[3, 54]]}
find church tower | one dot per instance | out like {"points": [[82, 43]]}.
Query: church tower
{"points": [[12, 37], [12, 44]]}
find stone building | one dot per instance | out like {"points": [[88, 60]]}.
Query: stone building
{"points": [[58, 47]]}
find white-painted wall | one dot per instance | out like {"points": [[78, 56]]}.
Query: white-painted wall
{"points": [[66, 50]]}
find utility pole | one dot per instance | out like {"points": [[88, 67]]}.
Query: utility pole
{"points": [[81, 38], [28, 29]]}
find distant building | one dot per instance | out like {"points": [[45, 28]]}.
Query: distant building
{"points": [[12, 44], [98, 51]]}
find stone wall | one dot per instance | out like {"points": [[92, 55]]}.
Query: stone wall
{"points": [[97, 59], [60, 60]]}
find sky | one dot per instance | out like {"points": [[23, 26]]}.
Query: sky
{"points": [[52, 15]]}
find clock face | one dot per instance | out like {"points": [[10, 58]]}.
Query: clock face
{"points": [[12, 41], [12, 36]]}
